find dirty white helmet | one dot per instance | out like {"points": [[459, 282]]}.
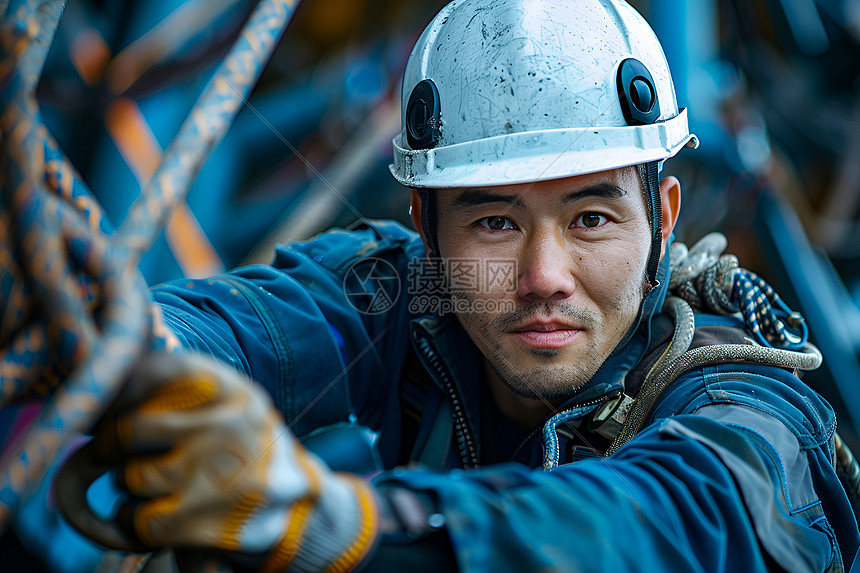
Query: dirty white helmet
{"points": [[511, 91]]}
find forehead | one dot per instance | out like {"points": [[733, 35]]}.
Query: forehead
{"points": [[622, 183]]}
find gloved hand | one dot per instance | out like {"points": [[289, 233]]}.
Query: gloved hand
{"points": [[214, 466]]}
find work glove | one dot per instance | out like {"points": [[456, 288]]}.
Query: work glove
{"points": [[210, 464]]}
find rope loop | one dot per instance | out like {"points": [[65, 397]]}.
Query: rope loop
{"points": [[713, 282]]}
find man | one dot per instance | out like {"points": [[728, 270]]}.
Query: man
{"points": [[525, 325]]}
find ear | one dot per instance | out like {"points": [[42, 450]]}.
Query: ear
{"points": [[415, 214], [670, 198]]}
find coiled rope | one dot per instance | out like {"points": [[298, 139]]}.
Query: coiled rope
{"points": [[704, 279], [714, 283]]}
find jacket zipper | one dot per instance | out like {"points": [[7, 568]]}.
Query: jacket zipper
{"points": [[528, 438], [465, 443], [555, 443]]}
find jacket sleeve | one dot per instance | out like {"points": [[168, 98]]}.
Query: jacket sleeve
{"points": [[292, 326], [732, 473]]}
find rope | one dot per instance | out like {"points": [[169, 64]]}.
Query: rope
{"points": [[682, 336], [76, 314], [715, 283], [808, 359], [703, 279]]}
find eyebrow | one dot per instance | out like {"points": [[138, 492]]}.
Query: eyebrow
{"points": [[476, 197], [603, 190]]}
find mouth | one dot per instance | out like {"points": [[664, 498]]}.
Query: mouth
{"points": [[547, 334]]}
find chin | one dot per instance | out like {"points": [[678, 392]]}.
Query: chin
{"points": [[544, 383]]}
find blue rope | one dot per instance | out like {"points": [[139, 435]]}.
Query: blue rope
{"points": [[716, 284], [767, 317]]}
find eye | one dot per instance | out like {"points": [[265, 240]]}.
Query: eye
{"points": [[590, 220], [496, 223]]}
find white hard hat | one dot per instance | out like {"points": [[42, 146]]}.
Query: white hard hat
{"points": [[511, 91]]}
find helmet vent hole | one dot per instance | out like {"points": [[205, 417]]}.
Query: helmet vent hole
{"points": [[641, 95], [636, 93], [418, 117], [423, 116]]}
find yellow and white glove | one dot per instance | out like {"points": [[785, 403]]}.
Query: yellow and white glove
{"points": [[213, 466]]}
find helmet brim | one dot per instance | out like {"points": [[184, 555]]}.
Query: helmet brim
{"points": [[540, 155]]}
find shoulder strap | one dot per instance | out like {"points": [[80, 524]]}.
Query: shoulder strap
{"points": [[667, 371]]}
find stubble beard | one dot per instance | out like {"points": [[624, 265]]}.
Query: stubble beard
{"points": [[550, 381]]}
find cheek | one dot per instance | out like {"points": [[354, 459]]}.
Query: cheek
{"points": [[477, 326], [479, 273], [612, 273], [450, 240]]}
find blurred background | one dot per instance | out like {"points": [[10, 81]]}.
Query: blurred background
{"points": [[772, 87]]}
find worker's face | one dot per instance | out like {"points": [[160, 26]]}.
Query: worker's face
{"points": [[580, 248]]}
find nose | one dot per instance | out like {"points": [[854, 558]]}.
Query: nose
{"points": [[545, 268]]}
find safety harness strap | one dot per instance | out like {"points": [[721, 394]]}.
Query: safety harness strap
{"points": [[652, 182]]}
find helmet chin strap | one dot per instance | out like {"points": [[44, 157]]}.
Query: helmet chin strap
{"points": [[652, 189], [428, 220]]}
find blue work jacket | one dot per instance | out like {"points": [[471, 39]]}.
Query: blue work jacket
{"points": [[731, 471]]}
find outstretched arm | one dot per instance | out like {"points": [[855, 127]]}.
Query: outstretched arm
{"points": [[213, 467], [734, 473]]}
